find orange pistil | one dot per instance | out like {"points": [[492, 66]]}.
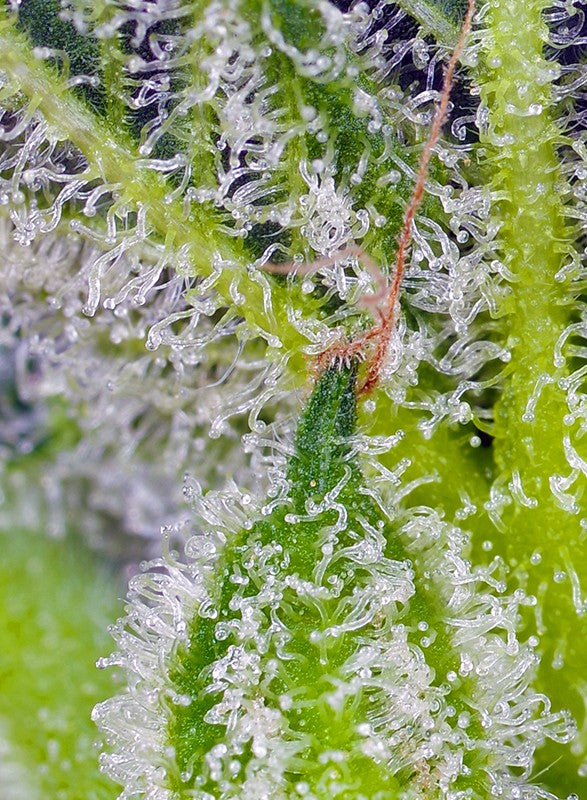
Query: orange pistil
{"points": [[383, 303], [381, 333], [370, 301]]}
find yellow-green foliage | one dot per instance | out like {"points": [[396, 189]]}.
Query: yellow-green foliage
{"points": [[389, 603], [56, 603]]}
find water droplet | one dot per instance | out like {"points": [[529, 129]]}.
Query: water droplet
{"points": [[464, 719]]}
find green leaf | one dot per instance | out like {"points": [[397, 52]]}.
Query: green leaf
{"points": [[80, 52], [328, 648], [441, 18]]}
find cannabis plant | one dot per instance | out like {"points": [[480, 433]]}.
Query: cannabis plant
{"points": [[293, 306]]}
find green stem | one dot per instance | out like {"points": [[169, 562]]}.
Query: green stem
{"points": [[545, 541]]}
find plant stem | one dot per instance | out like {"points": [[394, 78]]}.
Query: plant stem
{"points": [[544, 542]]}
